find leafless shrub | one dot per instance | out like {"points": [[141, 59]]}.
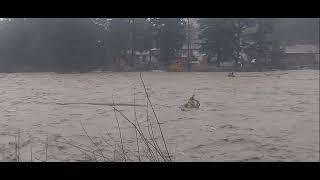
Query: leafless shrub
{"points": [[147, 145], [150, 146]]}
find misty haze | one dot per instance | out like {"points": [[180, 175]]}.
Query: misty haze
{"points": [[159, 89]]}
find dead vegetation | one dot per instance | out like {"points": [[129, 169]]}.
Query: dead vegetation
{"points": [[148, 146], [102, 104], [231, 74], [149, 143]]}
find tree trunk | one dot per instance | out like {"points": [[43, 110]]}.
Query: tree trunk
{"points": [[149, 63], [218, 59]]}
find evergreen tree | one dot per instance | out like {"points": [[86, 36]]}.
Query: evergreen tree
{"points": [[169, 34], [216, 34], [118, 39], [222, 37], [49, 44], [261, 45]]}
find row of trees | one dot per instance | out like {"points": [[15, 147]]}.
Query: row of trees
{"points": [[142, 34], [44, 45], [227, 38], [83, 44]]}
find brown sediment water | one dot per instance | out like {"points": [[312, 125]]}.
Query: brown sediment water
{"points": [[254, 116]]}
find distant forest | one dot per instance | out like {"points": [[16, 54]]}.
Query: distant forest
{"points": [[86, 44], [297, 31]]}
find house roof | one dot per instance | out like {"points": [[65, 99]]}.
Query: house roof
{"points": [[302, 48]]}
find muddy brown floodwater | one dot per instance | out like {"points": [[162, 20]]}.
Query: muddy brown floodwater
{"points": [[255, 116]]}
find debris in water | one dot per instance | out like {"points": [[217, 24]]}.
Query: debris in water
{"points": [[11, 110], [192, 103], [231, 74]]}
